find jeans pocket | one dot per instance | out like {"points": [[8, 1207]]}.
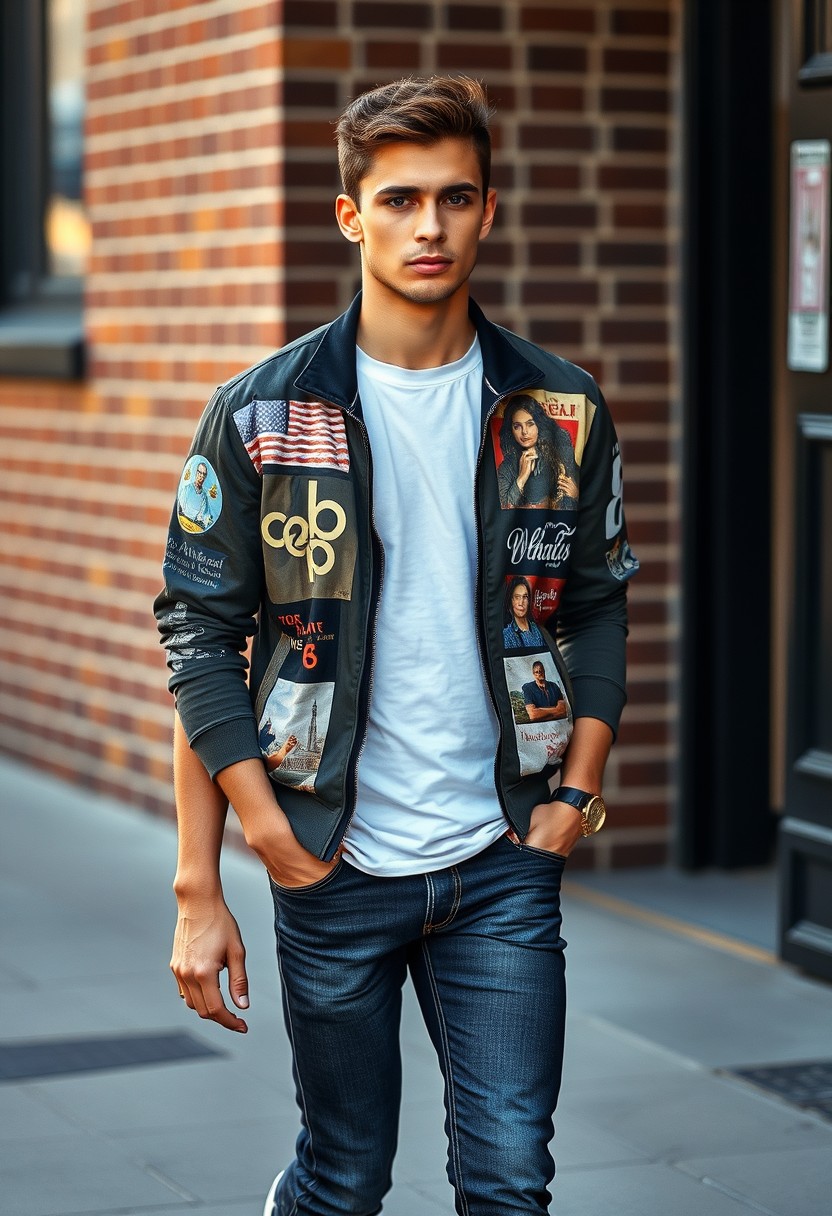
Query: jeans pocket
{"points": [[533, 850], [547, 853], [309, 888]]}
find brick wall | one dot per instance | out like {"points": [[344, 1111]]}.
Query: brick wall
{"points": [[206, 120], [183, 183]]}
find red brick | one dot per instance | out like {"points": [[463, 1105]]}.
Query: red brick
{"points": [[561, 138], [557, 59], [558, 292], [648, 451], [640, 215], [305, 213], [637, 733], [308, 134], [318, 93], [560, 215], [631, 253], [478, 57], [393, 16], [552, 17], [557, 332], [495, 253], [317, 53], [555, 177], [639, 139], [488, 291], [398, 55], [644, 371], [638, 61], [648, 22], [632, 177], [625, 332], [635, 101], [557, 97], [299, 13], [554, 253], [474, 17], [323, 253]]}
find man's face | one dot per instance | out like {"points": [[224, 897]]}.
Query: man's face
{"points": [[539, 674], [201, 472], [420, 219], [520, 601]]}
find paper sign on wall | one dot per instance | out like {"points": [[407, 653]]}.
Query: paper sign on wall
{"points": [[808, 344]]}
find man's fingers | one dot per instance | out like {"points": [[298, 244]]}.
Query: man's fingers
{"points": [[210, 1004], [216, 1010], [237, 978]]}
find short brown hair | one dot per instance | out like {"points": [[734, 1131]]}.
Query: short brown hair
{"points": [[417, 110]]}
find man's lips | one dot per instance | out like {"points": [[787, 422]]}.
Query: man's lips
{"points": [[427, 265]]}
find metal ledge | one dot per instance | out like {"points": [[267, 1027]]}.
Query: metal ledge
{"points": [[42, 341]]}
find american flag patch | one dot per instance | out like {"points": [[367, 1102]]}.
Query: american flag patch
{"points": [[294, 432]]}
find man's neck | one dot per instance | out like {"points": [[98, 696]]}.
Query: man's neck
{"points": [[410, 335]]}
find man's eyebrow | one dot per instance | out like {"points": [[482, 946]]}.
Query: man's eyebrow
{"points": [[454, 188]]}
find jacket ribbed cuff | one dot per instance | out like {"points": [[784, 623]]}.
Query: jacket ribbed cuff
{"points": [[227, 743], [596, 697]]}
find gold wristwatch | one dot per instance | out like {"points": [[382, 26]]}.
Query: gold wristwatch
{"points": [[592, 807]]}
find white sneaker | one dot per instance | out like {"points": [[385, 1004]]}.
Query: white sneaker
{"points": [[268, 1210]]}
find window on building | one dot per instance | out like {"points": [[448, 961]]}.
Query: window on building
{"points": [[45, 228]]}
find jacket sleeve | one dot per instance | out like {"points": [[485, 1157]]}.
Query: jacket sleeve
{"points": [[213, 580], [592, 618]]}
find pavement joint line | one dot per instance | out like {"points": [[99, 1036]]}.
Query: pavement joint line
{"points": [[671, 924], [638, 1040], [186, 1195], [746, 1200]]}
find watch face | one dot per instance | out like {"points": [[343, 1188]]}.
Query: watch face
{"points": [[595, 812]]}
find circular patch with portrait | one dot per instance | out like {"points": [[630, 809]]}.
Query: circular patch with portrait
{"points": [[199, 499]]}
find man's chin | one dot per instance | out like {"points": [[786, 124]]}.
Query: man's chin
{"points": [[429, 292]]}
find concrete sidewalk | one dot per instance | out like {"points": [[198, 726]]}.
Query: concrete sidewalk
{"points": [[648, 1126]]}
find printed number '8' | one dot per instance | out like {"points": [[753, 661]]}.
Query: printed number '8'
{"points": [[615, 507]]}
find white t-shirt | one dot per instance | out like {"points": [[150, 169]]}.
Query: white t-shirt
{"points": [[426, 794]]}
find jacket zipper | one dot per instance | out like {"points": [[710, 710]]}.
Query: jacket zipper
{"points": [[372, 637], [479, 598]]}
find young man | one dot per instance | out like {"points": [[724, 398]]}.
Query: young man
{"points": [[414, 825]]}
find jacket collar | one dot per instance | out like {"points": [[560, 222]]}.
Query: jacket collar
{"points": [[330, 374]]}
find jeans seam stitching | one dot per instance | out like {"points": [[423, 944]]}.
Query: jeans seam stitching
{"points": [[449, 1082], [456, 900], [426, 927]]}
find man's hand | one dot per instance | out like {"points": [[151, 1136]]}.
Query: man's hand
{"points": [[266, 829], [288, 862], [555, 827], [207, 940]]}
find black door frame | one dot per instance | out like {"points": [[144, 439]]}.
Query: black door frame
{"points": [[725, 817]]}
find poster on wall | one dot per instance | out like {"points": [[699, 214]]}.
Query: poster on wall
{"points": [[808, 344]]}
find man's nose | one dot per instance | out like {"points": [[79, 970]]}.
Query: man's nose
{"points": [[429, 225]]}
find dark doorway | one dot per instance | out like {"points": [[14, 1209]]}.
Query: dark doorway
{"points": [[725, 817]]}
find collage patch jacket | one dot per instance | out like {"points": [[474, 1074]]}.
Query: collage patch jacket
{"points": [[272, 536]]}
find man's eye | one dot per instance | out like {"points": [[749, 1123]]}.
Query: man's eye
{"points": [[397, 203], [457, 200]]}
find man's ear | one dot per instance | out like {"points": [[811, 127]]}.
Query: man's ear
{"points": [[349, 219], [488, 213]]}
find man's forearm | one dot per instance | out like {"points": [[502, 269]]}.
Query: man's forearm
{"points": [[250, 792], [586, 756], [201, 809]]}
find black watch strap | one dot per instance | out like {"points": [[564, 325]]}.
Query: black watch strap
{"points": [[575, 797]]}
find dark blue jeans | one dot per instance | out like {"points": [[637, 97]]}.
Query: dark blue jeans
{"points": [[483, 946]]}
